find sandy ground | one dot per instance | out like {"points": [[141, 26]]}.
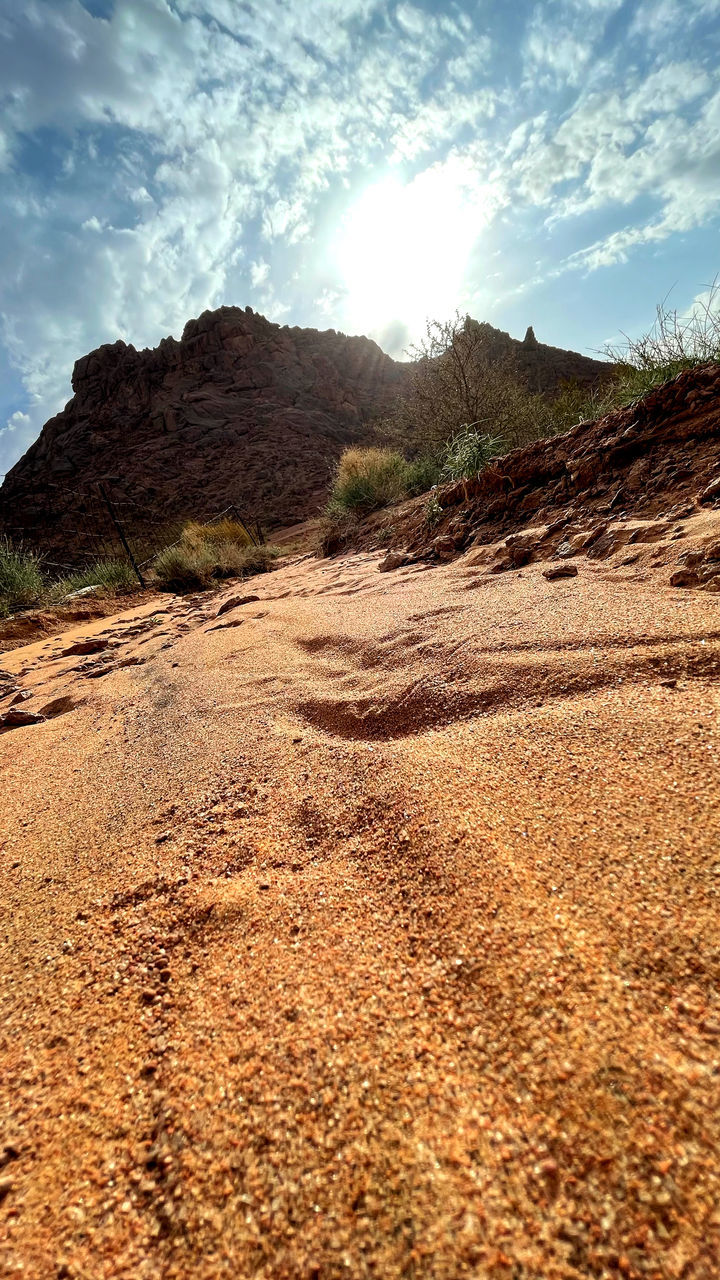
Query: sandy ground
{"points": [[369, 929]]}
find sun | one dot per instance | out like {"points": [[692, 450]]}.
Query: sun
{"points": [[403, 250]]}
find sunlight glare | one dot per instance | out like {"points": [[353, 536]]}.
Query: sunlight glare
{"points": [[403, 250]]}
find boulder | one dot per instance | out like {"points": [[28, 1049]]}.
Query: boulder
{"points": [[684, 578]]}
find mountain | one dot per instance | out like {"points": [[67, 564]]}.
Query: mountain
{"points": [[239, 411]]}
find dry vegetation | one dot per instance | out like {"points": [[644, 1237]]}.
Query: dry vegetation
{"points": [[207, 552], [467, 405]]}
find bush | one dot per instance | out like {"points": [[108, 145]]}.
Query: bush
{"points": [[187, 567], [367, 479], [223, 531], [467, 453], [422, 473], [21, 579], [463, 372]]}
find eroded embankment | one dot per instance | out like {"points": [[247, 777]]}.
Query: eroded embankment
{"points": [[629, 478]]}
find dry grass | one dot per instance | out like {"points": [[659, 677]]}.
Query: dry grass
{"points": [[196, 561]]}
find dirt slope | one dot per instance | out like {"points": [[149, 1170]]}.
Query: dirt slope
{"points": [[367, 929]]}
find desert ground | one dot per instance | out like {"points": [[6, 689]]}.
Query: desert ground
{"points": [[367, 928]]}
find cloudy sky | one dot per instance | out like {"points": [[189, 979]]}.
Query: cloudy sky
{"points": [[349, 164]]}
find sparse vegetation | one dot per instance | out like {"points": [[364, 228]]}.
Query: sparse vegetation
{"points": [[433, 511], [459, 378], [113, 577], [467, 453], [368, 479], [204, 554], [24, 583], [675, 342], [21, 579], [213, 535]]}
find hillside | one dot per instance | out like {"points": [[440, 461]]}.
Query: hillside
{"points": [[240, 410]]}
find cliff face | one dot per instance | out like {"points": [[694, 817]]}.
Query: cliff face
{"points": [[240, 411]]}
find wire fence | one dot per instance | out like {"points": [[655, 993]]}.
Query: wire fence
{"points": [[75, 528]]}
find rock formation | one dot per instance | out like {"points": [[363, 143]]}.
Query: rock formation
{"points": [[239, 411]]}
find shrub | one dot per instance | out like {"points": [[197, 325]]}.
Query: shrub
{"points": [[463, 372], [367, 479], [467, 453], [21, 580], [223, 531], [433, 512], [185, 567], [421, 474]]}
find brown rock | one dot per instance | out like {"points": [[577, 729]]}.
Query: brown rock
{"points": [[684, 578], [393, 560], [712, 493], [95, 645], [560, 571], [444, 547], [17, 719], [234, 603]]}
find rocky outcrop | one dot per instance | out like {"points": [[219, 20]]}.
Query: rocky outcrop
{"points": [[625, 485], [238, 411]]}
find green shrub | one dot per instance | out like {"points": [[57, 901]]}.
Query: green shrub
{"points": [[114, 577], [421, 474], [21, 580], [433, 512], [467, 453]]}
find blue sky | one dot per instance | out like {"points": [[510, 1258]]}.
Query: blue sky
{"points": [[351, 164]]}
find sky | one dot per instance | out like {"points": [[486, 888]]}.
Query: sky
{"points": [[361, 165]]}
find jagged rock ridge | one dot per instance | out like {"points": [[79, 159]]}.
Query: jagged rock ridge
{"points": [[240, 410]]}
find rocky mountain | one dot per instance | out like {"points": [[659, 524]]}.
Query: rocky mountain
{"points": [[240, 410]]}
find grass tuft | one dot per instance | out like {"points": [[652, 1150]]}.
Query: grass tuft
{"points": [[21, 579], [114, 577], [467, 453]]}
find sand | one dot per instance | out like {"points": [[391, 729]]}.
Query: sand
{"points": [[369, 929]]}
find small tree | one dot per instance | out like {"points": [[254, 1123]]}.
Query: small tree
{"points": [[464, 372]]}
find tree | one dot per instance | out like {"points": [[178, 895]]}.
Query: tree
{"points": [[464, 374]]}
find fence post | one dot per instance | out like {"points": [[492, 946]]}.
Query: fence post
{"points": [[121, 534], [240, 520]]}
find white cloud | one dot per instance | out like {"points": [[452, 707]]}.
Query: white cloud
{"points": [[205, 151], [259, 272]]}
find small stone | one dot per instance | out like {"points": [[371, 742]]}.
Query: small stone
{"points": [[560, 571], [668, 684], [393, 560], [6, 1186], [264, 884]]}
